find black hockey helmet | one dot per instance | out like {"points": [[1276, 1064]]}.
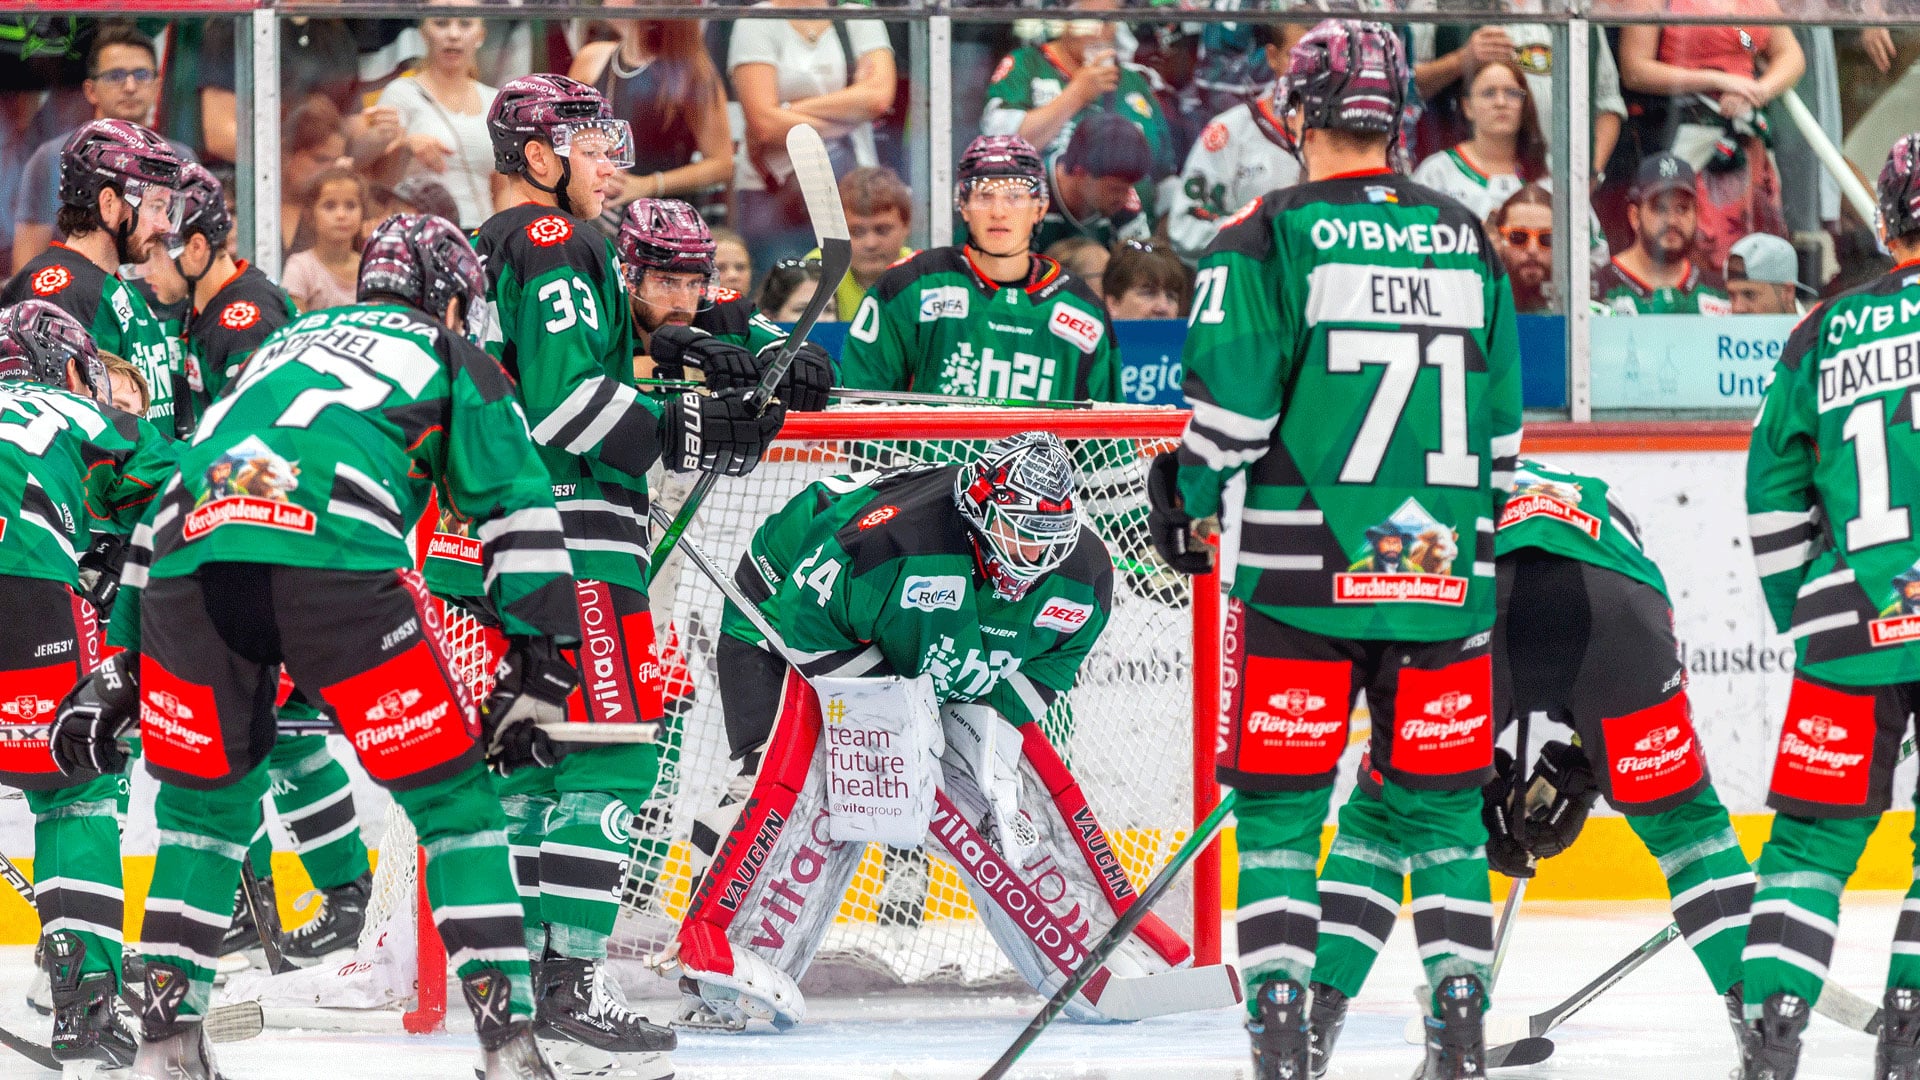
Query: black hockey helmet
{"points": [[1019, 497], [36, 341], [203, 209], [427, 262]]}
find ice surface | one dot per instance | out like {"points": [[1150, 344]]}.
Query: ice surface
{"points": [[1662, 1023]]}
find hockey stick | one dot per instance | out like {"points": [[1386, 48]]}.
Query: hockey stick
{"points": [[902, 397], [814, 173], [266, 918]]}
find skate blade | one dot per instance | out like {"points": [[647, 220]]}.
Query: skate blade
{"points": [[574, 1059]]}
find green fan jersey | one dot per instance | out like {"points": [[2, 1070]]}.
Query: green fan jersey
{"points": [[113, 313], [875, 574], [1032, 76], [936, 324], [70, 467], [1833, 476], [1621, 291], [1352, 347], [221, 336], [323, 452], [1575, 517]]}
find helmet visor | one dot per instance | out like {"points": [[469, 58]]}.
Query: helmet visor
{"points": [[593, 140], [159, 206], [669, 290]]}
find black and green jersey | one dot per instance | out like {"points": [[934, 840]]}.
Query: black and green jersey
{"points": [[1032, 76], [116, 316], [936, 324], [875, 574], [1833, 477], [70, 467], [1700, 292], [1352, 345], [1573, 516], [324, 450], [734, 319], [221, 336]]}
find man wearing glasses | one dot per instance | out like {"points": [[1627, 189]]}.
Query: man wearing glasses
{"points": [[123, 83], [1522, 228]]}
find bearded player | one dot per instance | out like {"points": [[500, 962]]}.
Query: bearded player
{"points": [[1351, 406]]}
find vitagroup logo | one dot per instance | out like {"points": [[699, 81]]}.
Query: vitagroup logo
{"points": [[935, 593]]}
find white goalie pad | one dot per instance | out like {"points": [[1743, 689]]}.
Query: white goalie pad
{"points": [[881, 742]]}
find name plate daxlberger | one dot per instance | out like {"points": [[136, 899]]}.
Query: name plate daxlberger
{"points": [[1685, 361]]}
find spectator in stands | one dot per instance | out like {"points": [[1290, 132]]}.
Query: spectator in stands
{"points": [[1522, 230], [310, 143], [324, 275], [879, 208], [123, 83], [1237, 158], [662, 82], [17, 109], [415, 195], [837, 77], [732, 262], [319, 59], [1444, 55], [128, 386], [1505, 150], [1657, 275], [1719, 78], [1146, 282], [1094, 185], [443, 110], [789, 288], [1763, 277], [1083, 259]]}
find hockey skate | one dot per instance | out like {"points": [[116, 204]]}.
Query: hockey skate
{"points": [[240, 949], [508, 1049], [1897, 1056], [335, 928], [1776, 1039], [40, 988], [1324, 1021], [699, 1013], [1279, 1032], [586, 1028], [172, 1047], [87, 1021], [1743, 1035], [1456, 1039]]}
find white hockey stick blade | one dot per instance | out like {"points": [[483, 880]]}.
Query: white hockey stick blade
{"points": [[237, 1022], [1501, 1028], [1843, 1006], [814, 172], [1164, 993]]}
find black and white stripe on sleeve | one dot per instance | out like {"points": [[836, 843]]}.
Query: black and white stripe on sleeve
{"points": [[605, 419]]}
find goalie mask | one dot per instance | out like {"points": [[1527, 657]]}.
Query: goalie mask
{"points": [[1019, 498], [36, 341]]}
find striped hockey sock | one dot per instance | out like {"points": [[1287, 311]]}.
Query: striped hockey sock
{"points": [[314, 799], [1361, 887], [76, 869], [203, 837], [583, 865], [1446, 847], [1277, 923], [526, 817], [1796, 909], [1709, 879]]}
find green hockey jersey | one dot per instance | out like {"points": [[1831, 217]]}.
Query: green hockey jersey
{"points": [[875, 574], [936, 324], [1352, 344], [323, 452], [116, 316], [1573, 516], [70, 467], [1833, 477], [1623, 292]]}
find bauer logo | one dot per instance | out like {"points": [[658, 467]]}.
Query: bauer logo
{"points": [[933, 593], [943, 302], [1077, 328], [1065, 616]]}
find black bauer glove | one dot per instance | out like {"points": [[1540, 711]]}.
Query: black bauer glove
{"points": [[87, 726], [530, 690], [1505, 852], [717, 432], [1167, 522], [723, 365], [1562, 791], [100, 572], [805, 384]]}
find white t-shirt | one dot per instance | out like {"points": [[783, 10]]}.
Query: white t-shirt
{"points": [[469, 173], [805, 69], [1454, 173]]}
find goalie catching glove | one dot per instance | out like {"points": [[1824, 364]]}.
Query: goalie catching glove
{"points": [[1168, 523], [717, 432], [726, 366], [530, 692], [87, 727]]}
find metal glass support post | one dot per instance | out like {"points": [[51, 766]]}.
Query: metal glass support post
{"points": [[262, 109], [1573, 217], [939, 130]]}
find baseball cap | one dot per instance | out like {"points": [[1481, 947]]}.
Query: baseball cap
{"points": [[1661, 172], [1766, 258]]}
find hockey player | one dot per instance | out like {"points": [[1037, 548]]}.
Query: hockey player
{"points": [[68, 464], [1585, 640], [281, 541], [1239, 156], [989, 317], [980, 581], [117, 203], [1831, 476], [567, 341], [1352, 349]]}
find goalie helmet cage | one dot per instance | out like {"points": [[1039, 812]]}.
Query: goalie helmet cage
{"points": [[1138, 729]]}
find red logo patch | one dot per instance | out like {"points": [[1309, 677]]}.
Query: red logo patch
{"points": [[1215, 137], [51, 280], [1443, 720], [1653, 752], [618, 661], [1826, 747], [724, 295], [401, 716], [878, 517], [179, 726], [1005, 69], [247, 510], [453, 546], [240, 315], [1241, 214], [1293, 717], [26, 716], [549, 230]]}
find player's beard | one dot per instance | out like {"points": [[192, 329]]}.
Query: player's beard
{"points": [[644, 314]]}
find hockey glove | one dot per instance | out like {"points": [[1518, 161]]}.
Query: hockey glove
{"points": [[100, 572], [1505, 852], [1167, 521], [805, 384], [530, 691], [717, 432], [723, 365], [93, 716], [1558, 798]]}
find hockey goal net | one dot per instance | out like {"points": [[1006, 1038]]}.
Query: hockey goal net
{"points": [[1137, 730]]}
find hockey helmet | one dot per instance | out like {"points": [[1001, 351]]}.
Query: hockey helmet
{"points": [[556, 110], [990, 157], [1019, 498], [203, 209], [1346, 75], [36, 341], [427, 262], [1900, 188], [664, 234], [122, 155]]}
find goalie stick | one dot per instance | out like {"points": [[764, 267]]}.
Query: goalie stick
{"points": [[898, 397], [814, 173]]}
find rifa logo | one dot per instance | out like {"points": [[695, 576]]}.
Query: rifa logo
{"points": [[943, 302], [941, 591]]}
